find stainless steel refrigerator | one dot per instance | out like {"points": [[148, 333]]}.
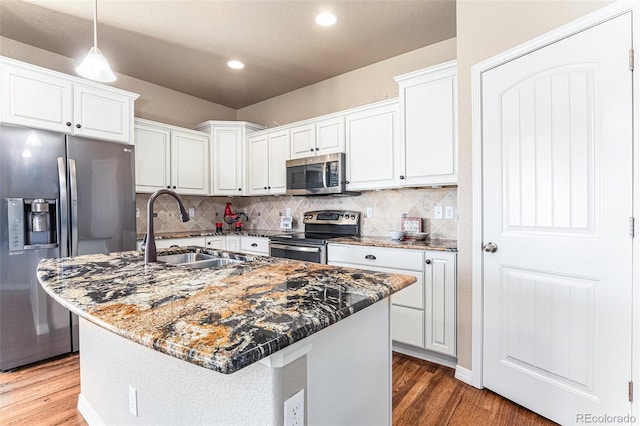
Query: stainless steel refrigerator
{"points": [[59, 196]]}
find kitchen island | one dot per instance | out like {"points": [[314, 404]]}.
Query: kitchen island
{"points": [[155, 339]]}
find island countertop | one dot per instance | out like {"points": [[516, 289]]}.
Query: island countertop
{"points": [[223, 318]]}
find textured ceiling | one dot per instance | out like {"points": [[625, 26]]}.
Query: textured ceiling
{"points": [[185, 45]]}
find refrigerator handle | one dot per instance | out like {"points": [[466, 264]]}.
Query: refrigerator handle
{"points": [[63, 208], [73, 184]]}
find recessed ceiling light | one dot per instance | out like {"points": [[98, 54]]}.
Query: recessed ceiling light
{"points": [[236, 65], [326, 19]]}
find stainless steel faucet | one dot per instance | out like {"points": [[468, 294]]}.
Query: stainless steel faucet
{"points": [[150, 239]]}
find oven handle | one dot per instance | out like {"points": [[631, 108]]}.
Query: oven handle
{"points": [[296, 248]]}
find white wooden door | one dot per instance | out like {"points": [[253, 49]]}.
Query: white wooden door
{"points": [[227, 161], [303, 141], [372, 144], [153, 157], [190, 162], [53, 109], [101, 114], [557, 194], [278, 156], [258, 165]]}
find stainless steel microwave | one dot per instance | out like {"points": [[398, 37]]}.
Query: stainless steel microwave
{"points": [[319, 175]]}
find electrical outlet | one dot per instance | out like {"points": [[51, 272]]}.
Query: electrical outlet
{"points": [[133, 400], [437, 212], [369, 212], [287, 212], [192, 212], [137, 212], [448, 212], [294, 410]]}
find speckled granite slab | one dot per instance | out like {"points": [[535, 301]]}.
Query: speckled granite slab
{"points": [[223, 319], [208, 233], [440, 245]]}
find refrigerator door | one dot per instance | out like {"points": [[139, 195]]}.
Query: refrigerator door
{"points": [[102, 199], [32, 325]]}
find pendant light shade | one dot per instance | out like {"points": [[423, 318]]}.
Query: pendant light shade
{"points": [[95, 66]]}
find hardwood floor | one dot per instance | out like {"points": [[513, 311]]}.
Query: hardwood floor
{"points": [[423, 394]]}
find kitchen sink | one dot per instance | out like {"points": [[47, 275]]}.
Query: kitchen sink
{"points": [[197, 260]]}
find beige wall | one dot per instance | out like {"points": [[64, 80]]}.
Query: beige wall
{"points": [[155, 102], [484, 29], [362, 86]]}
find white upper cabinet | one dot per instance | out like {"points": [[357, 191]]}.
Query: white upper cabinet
{"points": [[64, 104], [372, 148], [325, 136], [268, 153], [428, 137], [171, 157], [228, 155]]}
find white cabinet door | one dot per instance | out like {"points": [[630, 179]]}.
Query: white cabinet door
{"points": [[372, 149], [303, 141], [233, 243], [21, 87], [254, 245], [428, 112], [277, 156], [189, 162], [330, 136], [407, 325], [102, 114], [153, 157], [440, 291], [228, 161], [258, 167]]}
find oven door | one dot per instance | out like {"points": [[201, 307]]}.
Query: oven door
{"points": [[306, 253]]}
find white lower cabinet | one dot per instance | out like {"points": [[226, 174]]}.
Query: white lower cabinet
{"points": [[423, 314], [254, 245], [232, 243]]}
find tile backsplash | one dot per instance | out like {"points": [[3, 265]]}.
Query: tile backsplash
{"points": [[264, 212]]}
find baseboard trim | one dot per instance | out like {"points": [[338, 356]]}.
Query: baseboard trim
{"points": [[436, 358], [90, 416], [464, 375]]}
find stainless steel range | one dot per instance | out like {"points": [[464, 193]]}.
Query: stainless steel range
{"points": [[319, 227]]}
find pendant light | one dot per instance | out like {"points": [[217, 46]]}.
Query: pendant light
{"points": [[95, 66]]}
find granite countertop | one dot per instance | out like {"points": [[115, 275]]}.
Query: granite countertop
{"points": [[222, 318], [212, 232], [441, 245]]}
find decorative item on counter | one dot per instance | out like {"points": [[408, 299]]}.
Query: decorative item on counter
{"points": [[238, 227], [231, 217], [419, 236], [218, 226], [411, 225], [396, 235]]}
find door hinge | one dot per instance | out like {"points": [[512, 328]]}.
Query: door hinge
{"points": [[630, 59], [632, 227], [631, 391]]}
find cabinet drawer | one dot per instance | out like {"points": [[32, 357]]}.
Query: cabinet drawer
{"points": [[217, 242], [377, 256], [192, 241], [254, 245], [407, 325]]}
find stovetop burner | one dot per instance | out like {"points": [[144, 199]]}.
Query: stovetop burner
{"points": [[323, 225]]}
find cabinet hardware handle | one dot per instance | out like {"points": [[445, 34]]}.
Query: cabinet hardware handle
{"points": [[254, 245], [269, 187], [174, 187], [317, 149], [239, 189], [370, 257], [209, 243], [68, 123], [311, 150], [78, 126], [401, 177], [264, 187], [428, 262], [168, 186], [346, 182]]}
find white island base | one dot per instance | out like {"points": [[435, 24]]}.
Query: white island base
{"points": [[345, 371]]}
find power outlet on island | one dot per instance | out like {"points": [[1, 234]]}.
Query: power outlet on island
{"points": [[294, 410], [133, 400]]}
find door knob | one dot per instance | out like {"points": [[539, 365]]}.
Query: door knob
{"points": [[490, 247]]}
